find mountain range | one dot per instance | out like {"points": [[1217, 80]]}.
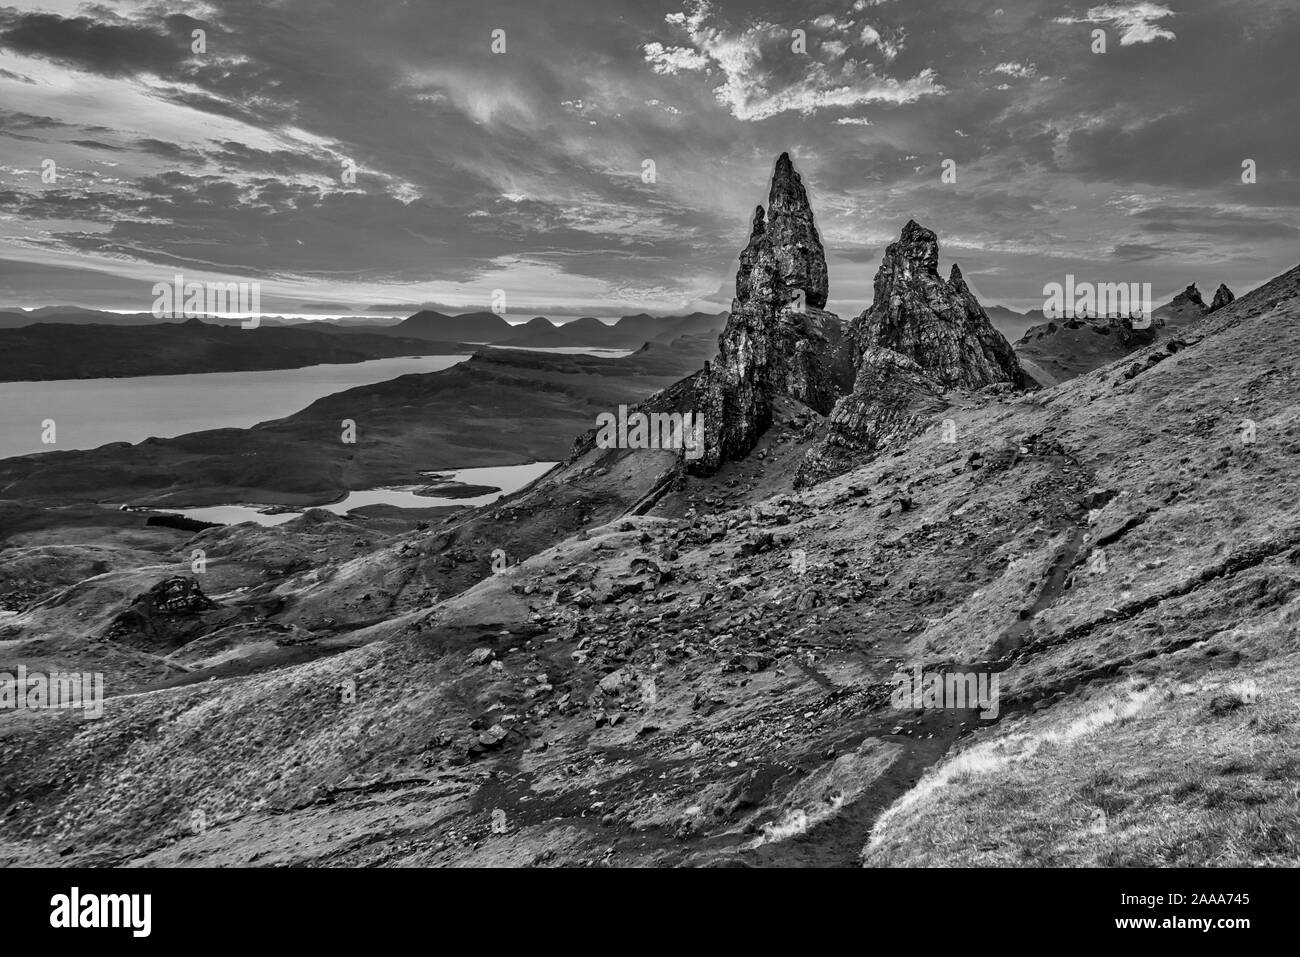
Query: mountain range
{"points": [[58, 344]]}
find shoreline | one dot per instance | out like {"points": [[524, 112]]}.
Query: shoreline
{"points": [[299, 508]]}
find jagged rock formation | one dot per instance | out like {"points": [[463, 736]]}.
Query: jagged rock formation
{"points": [[778, 340], [893, 399], [921, 336], [938, 325], [1187, 306], [1222, 296], [1191, 295]]}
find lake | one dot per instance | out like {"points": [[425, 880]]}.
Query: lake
{"points": [[598, 352], [506, 478], [89, 413]]}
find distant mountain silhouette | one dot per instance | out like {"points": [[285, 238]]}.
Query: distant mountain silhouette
{"points": [[78, 316], [1010, 323], [628, 332], [75, 315], [469, 327]]}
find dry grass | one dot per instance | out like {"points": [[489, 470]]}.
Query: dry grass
{"points": [[1192, 775]]}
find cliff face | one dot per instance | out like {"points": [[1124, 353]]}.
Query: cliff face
{"points": [[779, 340], [938, 325], [893, 399]]}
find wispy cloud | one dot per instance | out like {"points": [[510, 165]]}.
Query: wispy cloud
{"points": [[1019, 70], [763, 74], [1136, 20]]}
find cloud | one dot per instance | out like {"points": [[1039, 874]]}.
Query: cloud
{"points": [[1139, 252], [1137, 20], [1216, 223], [762, 77], [114, 48], [672, 60], [232, 159], [1019, 70], [890, 49]]}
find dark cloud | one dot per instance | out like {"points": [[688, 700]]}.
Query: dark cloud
{"points": [[111, 47], [96, 145], [1216, 223], [1139, 252], [15, 120]]}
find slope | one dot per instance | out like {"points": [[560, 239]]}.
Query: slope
{"points": [[709, 683]]}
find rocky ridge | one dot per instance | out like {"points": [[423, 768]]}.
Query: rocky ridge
{"points": [[1189, 306]]}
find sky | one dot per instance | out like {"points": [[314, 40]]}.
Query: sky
{"points": [[605, 158]]}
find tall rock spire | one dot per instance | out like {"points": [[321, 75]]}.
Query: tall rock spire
{"points": [[938, 324], [800, 259], [778, 340]]}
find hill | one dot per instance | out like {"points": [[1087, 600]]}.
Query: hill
{"points": [[1058, 350], [56, 351], [474, 327], [1010, 323], [497, 408]]}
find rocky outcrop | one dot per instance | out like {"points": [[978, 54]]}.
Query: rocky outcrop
{"points": [[938, 324], [167, 615], [893, 399], [1222, 296], [778, 340], [1191, 295], [922, 336], [1187, 306]]}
